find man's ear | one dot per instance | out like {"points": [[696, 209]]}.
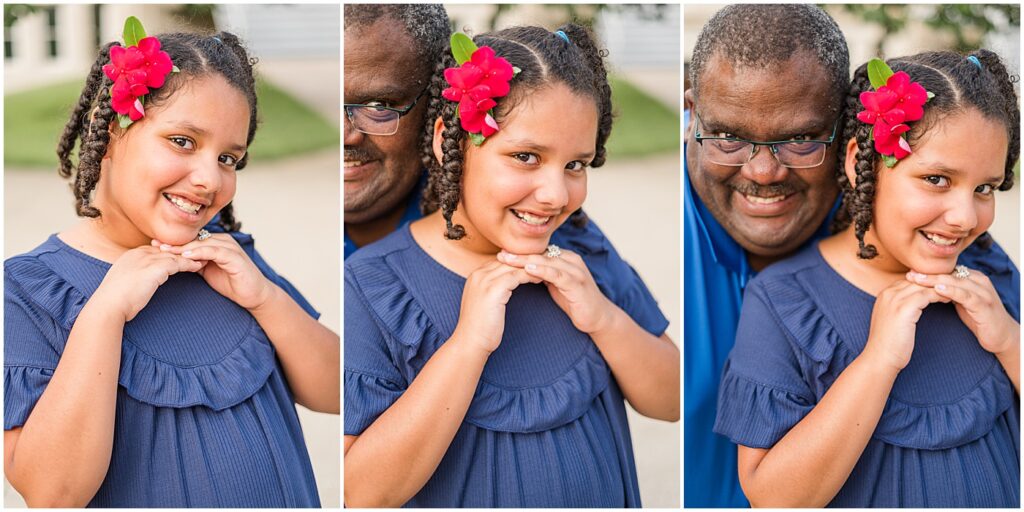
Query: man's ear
{"points": [[850, 163], [689, 105], [438, 138]]}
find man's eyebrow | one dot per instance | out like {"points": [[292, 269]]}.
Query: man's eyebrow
{"points": [[385, 91], [813, 127]]}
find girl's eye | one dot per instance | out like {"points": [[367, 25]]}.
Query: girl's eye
{"points": [[526, 158], [985, 189], [228, 160], [576, 166], [183, 142], [938, 181]]}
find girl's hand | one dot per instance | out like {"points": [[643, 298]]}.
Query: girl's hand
{"points": [[227, 269], [978, 305], [894, 322], [134, 277], [487, 291], [571, 286]]}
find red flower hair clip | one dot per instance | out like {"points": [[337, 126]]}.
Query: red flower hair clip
{"points": [[896, 101], [135, 68], [481, 77]]}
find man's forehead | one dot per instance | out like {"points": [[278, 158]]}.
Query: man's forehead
{"points": [[793, 93], [382, 56]]}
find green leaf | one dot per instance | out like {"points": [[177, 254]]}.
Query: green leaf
{"points": [[890, 161], [878, 72], [174, 69], [124, 121], [516, 71], [930, 96], [477, 138], [133, 31], [462, 47]]}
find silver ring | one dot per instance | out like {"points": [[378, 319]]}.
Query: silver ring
{"points": [[203, 235], [553, 251], [961, 272]]}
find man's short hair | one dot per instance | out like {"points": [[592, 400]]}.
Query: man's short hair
{"points": [[760, 35], [426, 24]]}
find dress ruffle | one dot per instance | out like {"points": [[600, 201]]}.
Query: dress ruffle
{"points": [[231, 379], [414, 336], [825, 353], [23, 385]]}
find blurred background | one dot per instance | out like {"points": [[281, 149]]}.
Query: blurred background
{"points": [[634, 197], [897, 30], [288, 195]]}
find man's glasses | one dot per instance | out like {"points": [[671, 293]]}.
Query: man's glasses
{"points": [[795, 154], [377, 119]]}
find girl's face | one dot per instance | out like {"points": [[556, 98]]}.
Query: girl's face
{"points": [[938, 200], [170, 172], [527, 178]]}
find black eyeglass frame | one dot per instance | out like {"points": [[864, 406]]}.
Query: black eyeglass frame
{"points": [[771, 144], [400, 111]]}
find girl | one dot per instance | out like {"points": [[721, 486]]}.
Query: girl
{"points": [[148, 363], [872, 370], [480, 373]]}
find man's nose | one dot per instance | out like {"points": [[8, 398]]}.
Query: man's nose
{"points": [[763, 168], [352, 136]]}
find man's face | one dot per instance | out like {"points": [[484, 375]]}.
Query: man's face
{"points": [[381, 65], [769, 209]]}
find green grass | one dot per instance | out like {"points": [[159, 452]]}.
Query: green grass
{"points": [[643, 125], [34, 120]]}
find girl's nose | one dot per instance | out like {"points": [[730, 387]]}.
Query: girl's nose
{"points": [[206, 175], [961, 212], [551, 188]]}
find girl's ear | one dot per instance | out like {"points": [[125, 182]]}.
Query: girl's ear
{"points": [[850, 164], [438, 138]]}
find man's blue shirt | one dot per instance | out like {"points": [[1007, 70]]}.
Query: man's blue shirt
{"points": [[715, 272], [411, 213]]}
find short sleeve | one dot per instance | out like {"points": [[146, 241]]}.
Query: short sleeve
{"points": [[372, 381], [763, 393], [29, 357]]}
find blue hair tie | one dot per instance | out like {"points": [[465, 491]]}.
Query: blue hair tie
{"points": [[974, 60], [561, 34], [215, 38]]}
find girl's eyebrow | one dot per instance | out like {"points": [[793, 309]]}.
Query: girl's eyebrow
{"points": [[952, 171], [188, 125], [533, 146]]}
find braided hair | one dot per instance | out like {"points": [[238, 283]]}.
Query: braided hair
{"points": [[958, 84], [89, 126], [544, 57]]}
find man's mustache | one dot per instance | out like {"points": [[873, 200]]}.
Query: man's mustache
{"points": [[775, 189], [359, 155]]}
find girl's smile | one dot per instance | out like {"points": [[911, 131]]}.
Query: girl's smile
{"points": [[526, 179], [938, 200], [169, 173]]}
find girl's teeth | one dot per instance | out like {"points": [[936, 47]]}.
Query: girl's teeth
{"points": [[531, 219], [764, 200], [185, 206], [940, 240]]}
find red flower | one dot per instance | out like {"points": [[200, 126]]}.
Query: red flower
{"points": [[889, 139], [475, 85], [911, 96], [135, 70], [897, 102]]}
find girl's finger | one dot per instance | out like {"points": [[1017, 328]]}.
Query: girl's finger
{"points": [[220, 256], [214, 242]]}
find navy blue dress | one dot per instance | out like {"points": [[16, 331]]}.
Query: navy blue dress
{"points": [[204, 416], [949, 435], [547, 425]]}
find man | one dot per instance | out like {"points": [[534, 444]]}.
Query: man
{"points": [[758, 74], [390, 52]]}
